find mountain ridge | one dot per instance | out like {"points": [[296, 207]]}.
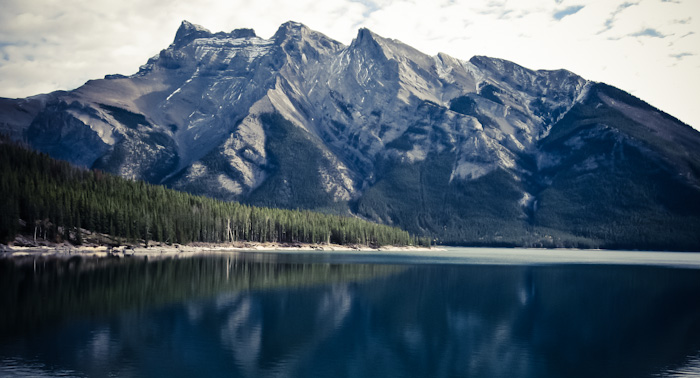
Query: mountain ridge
{"points": [[463, 151]]}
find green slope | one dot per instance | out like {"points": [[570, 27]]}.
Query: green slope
{"points": [[55, 199]]}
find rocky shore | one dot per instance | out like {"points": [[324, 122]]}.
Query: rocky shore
{"points": [[67, 250]]}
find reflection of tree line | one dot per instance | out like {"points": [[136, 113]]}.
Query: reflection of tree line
{"points": [[37, 291]]}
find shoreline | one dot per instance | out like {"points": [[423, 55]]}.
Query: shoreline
{"points": [[176, 250]]}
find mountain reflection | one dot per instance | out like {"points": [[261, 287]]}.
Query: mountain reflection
{"points": [[384, 321]]}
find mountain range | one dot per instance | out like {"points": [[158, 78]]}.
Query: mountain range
{"points": [[477, 152]]}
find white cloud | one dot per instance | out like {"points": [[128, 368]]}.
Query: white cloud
{"points": [[568, 11], [648, 47]]}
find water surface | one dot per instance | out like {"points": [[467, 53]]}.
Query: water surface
{"points": [[457, 313]]}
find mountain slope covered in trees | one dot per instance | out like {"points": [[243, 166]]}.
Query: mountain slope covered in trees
{"points": [[54, 199]]}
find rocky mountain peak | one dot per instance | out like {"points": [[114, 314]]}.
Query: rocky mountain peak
{"points": [[369, 41], [187, 32], [300, 42], [290, 30], [391, 49], [364, 36], [243, 33]]}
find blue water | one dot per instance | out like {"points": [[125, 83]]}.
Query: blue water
{"points": [[456, 313]]}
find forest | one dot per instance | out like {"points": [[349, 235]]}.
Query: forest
{"points": [[53, 200]]}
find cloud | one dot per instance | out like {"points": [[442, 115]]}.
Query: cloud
{"points": [[680, 56], [648, 32], [684, 21], [568, 11], [610, 22]]}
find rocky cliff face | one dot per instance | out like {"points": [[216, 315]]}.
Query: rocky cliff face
{"points": [[481, 151]]}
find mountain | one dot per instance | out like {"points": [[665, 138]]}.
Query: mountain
{"points": [[478, 152]]}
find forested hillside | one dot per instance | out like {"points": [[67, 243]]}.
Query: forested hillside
{"points": [[53, 200]]}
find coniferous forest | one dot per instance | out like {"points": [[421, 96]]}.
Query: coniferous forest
{"points": [[53, 200]]}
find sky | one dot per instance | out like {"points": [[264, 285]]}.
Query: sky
{"points": [[650, 48]]}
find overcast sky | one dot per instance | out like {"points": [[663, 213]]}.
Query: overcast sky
{"points": [[650, 48]]}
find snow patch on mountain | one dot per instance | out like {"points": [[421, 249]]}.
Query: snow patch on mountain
{"points": [[224, 50], [467, 170], [527, 201]]}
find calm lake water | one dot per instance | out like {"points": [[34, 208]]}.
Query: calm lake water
{"points": [[458, 313]]}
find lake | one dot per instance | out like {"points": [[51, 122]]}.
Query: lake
{"points": [[461, 312]]}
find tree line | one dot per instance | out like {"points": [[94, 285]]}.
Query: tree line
{"points": [[54, 200]]}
